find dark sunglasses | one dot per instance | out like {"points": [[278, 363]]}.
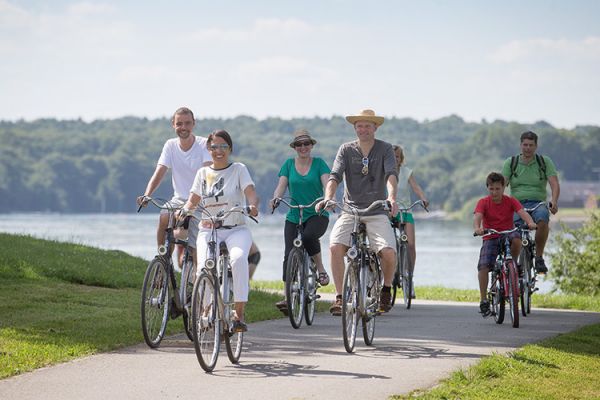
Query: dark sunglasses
{"points": [[365, 164], [220, 146], [301, 144]]}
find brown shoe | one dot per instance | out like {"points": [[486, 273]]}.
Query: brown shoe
{"points": [[282, 306], [336, 307], [385, 302]]}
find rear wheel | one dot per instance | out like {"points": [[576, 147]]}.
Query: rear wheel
{"points": [[524, 281], [497, 297], [311, 293], [513, 292], [155, 302], [530, 281], [233, 340], [349, 306], [187, 288], [294, 287], [206, 324], [406, 276]]}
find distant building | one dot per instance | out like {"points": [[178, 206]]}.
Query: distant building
{"points": [[579, 194]]}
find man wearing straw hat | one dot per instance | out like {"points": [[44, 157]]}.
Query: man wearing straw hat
{"points": [[368, 166]]}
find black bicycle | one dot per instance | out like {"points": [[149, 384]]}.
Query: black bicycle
{"points": [[504, 282], [363, 279], [213, 299], [158, 302], [403, 278], [301, 281], [527, 262]]}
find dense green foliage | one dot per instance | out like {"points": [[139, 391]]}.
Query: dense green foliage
{"points": [[577, 260], [74, 166]]}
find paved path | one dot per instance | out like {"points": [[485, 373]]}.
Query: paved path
{"points": [[412, 349]]}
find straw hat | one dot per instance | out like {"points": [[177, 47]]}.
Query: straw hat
{"points": [[365, 115], [301, 135]]}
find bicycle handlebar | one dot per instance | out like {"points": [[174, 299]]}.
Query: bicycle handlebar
{"points": [[541, 203], [418, 202], [219, 217], [278, 200], [384, 204], [159, 203]]}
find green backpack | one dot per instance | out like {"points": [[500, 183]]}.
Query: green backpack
{"points": [[514, 160]]}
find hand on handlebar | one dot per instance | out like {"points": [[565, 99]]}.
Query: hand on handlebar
{"points": [[479, 232], [252, 210], [142, 201]]}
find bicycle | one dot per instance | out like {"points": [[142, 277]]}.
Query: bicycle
{"points": [[157, 302], [527, 262], [213, 300], [301, 281], [504, 282], [363, 279], [403, 277]]}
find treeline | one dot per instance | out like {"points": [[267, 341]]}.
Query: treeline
{"points": [[101, 166]]}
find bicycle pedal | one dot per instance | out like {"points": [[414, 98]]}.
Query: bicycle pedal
{"points": [[318, 296]]}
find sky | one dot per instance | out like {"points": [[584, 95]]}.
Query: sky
{"points": [[520, 61]]}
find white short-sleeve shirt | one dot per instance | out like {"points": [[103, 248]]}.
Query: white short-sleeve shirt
{"points": [[184, 164], [222, 189]]}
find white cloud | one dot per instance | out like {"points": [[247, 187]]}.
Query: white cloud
{"points": [[88, 8], [143, 73], [520, 50]]}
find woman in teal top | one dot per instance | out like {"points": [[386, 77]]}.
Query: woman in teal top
{"points": [[305, 177]]}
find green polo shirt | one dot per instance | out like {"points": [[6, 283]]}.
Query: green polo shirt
{"points": [[528, 183]]}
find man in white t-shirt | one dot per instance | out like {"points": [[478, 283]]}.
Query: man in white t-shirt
{"points": [[184, 156]]}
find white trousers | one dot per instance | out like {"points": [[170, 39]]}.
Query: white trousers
{"points": [[238, 241]]}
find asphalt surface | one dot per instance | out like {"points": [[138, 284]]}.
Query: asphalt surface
{"points": [[412, 349]]}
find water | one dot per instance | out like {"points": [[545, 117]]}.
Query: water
{"points": [[447, 253]]}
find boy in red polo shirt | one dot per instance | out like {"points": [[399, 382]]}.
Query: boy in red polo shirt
{"points": [[496, 212]]}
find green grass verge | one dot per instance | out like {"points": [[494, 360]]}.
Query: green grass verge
{"points": [[61, 301], [564, 367]]}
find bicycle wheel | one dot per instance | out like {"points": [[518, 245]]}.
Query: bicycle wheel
{"points": [[397, 281], [311, 292], [294, 287], [372, 292], [497, 297], [206, 324], [406, 275], [524, 281], [233, 340], [513, 292], [350, 293], [155, 302], [186, 289], [529, 278]]}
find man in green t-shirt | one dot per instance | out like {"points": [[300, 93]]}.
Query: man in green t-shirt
{"points": [[528, 175]]}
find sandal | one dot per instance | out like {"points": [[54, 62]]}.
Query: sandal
{"points": [[323, 279]]}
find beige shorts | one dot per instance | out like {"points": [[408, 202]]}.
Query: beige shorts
{"points": [[379, 231]]}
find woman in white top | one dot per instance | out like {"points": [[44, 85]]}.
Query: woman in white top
{"points": [[406, 181], [219, 187]]}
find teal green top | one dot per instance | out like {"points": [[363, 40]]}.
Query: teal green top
{"points": [[526, 183], [304, 189]]}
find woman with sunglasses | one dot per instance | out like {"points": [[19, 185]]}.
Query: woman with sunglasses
{"points": [[304, 177], [221, 186]]}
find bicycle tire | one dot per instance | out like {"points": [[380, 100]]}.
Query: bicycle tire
{"points": [[373, 291], [497, 300], [155, 302], [186, 290], [524, 281], [406, 277], [310, 302], [233, 340], [206, 322], [513, 292], [349, 306], [397, 281], [531, 277], [294, 287]]}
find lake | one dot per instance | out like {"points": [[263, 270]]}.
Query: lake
{"points": [[447, 253]]}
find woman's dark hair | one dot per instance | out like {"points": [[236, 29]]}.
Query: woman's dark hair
{"points": [[223, 135], [494, 177]]}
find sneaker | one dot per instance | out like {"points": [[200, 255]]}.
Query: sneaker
{"points": [[540, 265], [239, 326], [336, 307], [282, 306], [385, 302], [484, 308]]}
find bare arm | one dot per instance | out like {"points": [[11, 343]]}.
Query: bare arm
{"points": [[555, 187], [477, 220], [527, 218], [280, 189], [252, 198], [154, 181], [418, 191], [392, 189], [330, 189]]}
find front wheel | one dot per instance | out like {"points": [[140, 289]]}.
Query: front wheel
{"points": [[206, 324], [350, 306], [407, 280], [186, 290], [513, 292], [497, 297], [155, 302], [294, 287]]}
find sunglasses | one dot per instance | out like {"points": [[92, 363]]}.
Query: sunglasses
{"points": [[365, 164], [220, 146], [303, 144]]}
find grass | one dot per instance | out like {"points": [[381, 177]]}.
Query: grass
{"points": [[564, 367], [61, 301]]}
